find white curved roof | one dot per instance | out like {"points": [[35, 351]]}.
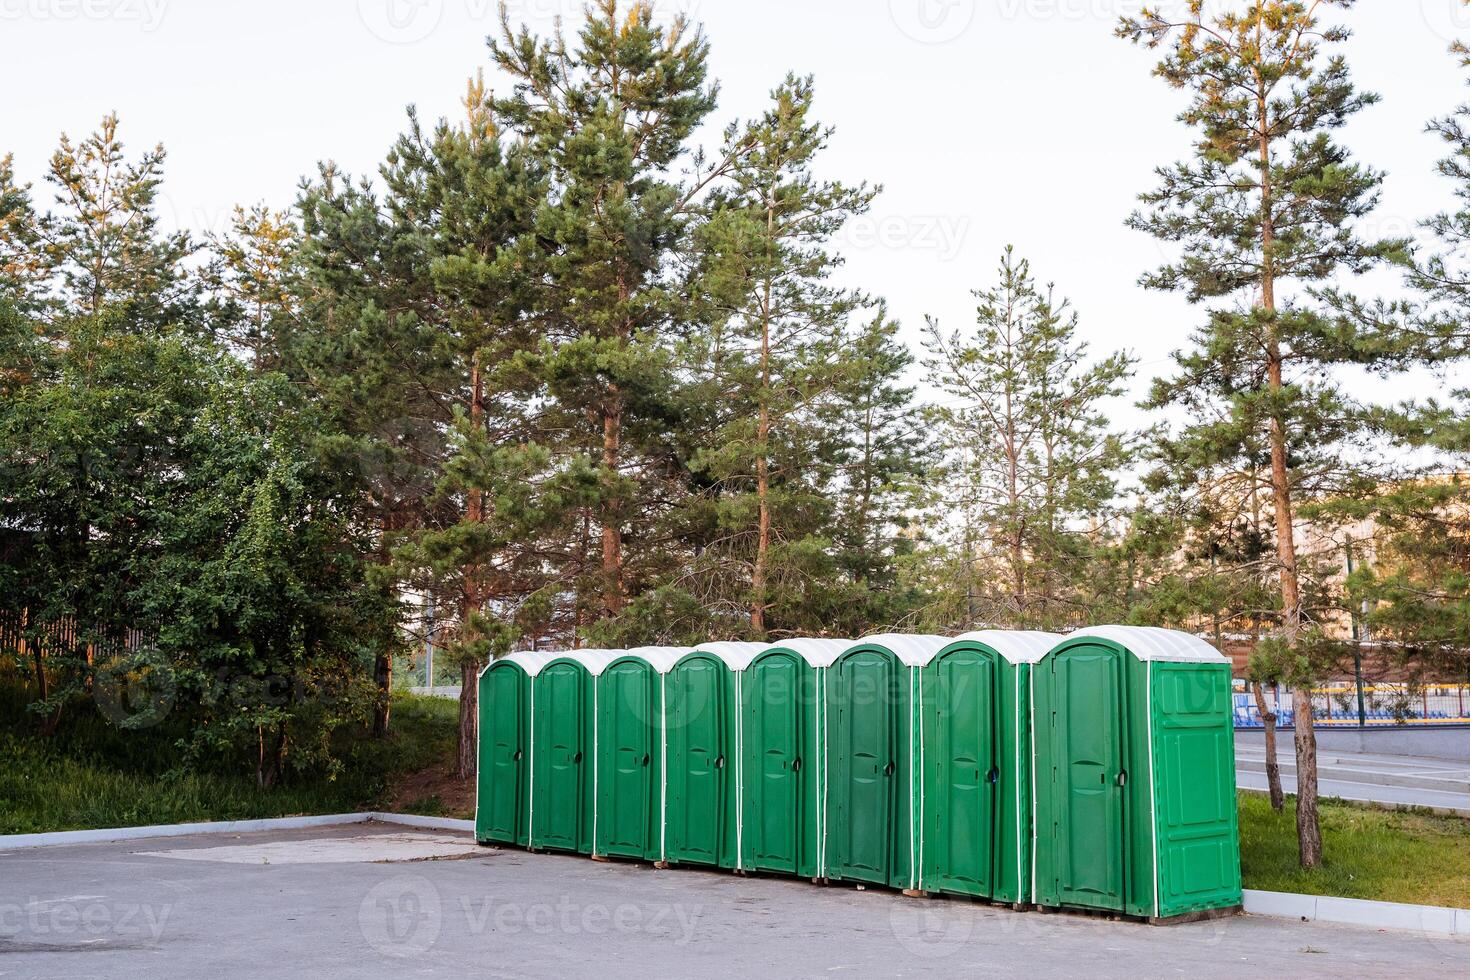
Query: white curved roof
{"points": [[596, 661], [1017, 646], [531, 661], [1154, 643], [736, 655], [817, 652], [913, 649], [662, 659]]}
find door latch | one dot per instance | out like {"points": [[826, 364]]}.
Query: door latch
{"points": [[796, 764], [576, 759], [720, 762], [517, 756], [993, 775], [888, 769], [646, 758], [1122, 779]]}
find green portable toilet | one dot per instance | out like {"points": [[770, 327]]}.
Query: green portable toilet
{"points": [[779, 786], [503, 769], [1135, 775], [975, 789], [628, 818], [561, 757], [702, 744], [871, 700]]}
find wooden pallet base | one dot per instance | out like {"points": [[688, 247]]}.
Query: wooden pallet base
{"points": [[1201, 916], [1112, 915], [915, 893]]}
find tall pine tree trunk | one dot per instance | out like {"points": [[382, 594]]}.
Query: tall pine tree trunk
{"points": [[1018, 529], [383, 662], [470, 604], [1273, 765], [763, 537], [762, 461], [1308, 826], [1268, 718], [469, 700], [611, 516], [383, 677]]}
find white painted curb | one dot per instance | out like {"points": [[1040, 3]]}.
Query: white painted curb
{"points": [[427, 823], [1358, 912], [14, 841], [62, 837]]}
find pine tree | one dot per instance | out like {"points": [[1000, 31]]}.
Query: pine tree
{"points": [[886, 456], [101, 250], [417, 307], [610, 117], [1416, 589], [22, 266], [1032, 462], [1268, 201], [250, 277], [779, 348]]}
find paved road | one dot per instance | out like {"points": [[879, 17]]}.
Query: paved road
{"points": [[1392, 780], [311, 903]]}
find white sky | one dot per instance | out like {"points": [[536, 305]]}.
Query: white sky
{"points": [[987, 121]]}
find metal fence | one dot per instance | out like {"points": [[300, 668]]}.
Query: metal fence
{"points": [[1382, 705]]}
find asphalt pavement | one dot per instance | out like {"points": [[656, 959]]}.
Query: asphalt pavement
{"points": [[370, 901], [1387, 780]]}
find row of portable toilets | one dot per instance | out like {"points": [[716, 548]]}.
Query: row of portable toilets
{"points": [[1094, 771]]}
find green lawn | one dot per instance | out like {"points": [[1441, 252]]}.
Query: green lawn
{"points": [[1386, 855], [92, 775]]}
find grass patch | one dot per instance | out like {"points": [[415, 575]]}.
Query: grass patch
{"points": [[93, 775], [1383, 855]]}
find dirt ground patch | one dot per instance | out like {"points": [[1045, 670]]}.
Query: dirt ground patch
{"points": [[433, 792]]}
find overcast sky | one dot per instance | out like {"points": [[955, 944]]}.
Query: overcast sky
{"points": [[987, 121]]}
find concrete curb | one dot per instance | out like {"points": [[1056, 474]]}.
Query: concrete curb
{"points": [[426, 823], [1443, 811], [16, 841], [57, 838], [1358, 912]]}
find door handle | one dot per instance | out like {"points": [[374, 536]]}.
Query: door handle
{"points": [[1122, 779], [517, 756], [888, 769], [720, 762], [646, 758], [993, 775], [577, 758], [796, 764]]}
